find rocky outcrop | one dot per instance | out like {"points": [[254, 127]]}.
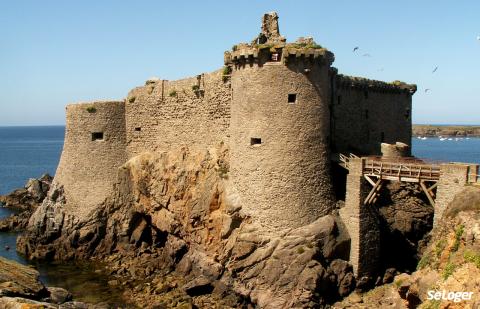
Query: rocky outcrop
{"points": [[24, 201], [30, 196], [299, 269], [174, 231], [450, 264], [406, 219], [20, 287], [20, 280]]}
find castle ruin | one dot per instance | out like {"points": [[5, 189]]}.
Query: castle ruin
{"points": [[281, 107], [284, 113]]}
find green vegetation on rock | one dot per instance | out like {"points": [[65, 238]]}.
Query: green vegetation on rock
{"points": [[227, 70], [458, 237], [472, 257], [424, 261], [440, 246], [448, 270]]}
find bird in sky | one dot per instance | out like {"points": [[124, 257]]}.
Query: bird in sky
{"points": [[427, 90], [367, 55], [435, 70], [478, 37], [356, 48]]}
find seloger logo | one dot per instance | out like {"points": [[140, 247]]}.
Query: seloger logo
{"points": [[444, 295]]}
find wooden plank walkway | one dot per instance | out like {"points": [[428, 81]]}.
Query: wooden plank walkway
{"points": [[399, 170], [377, 169], [427, 174]]}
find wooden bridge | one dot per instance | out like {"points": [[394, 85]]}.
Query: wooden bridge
{"points": [[441, 182], [377, 169]]}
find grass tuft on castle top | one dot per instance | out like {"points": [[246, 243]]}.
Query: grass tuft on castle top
{"points": [[227, 70]]}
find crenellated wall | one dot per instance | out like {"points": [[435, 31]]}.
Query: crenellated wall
{"points": [[164, 114], [366, 113], [279, 106], [89, 162]]}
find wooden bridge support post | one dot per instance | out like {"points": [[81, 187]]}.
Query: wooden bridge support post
{"points": [[361, 222]]}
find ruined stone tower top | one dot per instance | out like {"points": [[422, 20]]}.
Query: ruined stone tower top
{"points": [[270, 30], [270, 46]]}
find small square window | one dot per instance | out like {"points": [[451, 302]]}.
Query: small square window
{"points": [[97, 136], [255, 141], [292, 98], [275, 57], [138, 129]]}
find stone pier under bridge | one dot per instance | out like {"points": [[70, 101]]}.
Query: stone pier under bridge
{"points": [[366, 176]]}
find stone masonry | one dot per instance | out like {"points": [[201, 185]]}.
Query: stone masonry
{"points": [[93, 150], [280, 107], [361, 222], [454, 177]]}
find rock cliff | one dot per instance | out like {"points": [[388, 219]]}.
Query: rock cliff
{"points": [[25, 201], [450, 263], [175, 233]]}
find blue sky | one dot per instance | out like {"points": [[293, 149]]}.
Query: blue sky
{"points": [[53, 53]]}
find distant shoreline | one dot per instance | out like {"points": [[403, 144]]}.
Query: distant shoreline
{"points": [[446, 130]]}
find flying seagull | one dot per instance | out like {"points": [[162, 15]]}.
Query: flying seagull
{"points": [[478, 38], [435, 70], [427, 90], [356, 48]]}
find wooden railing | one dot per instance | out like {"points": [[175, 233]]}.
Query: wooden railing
{"points": [[407, 170], [345, 159]]}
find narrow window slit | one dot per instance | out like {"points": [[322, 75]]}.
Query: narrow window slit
{"points": [[97, 136], [255, 141], [292, 98]]}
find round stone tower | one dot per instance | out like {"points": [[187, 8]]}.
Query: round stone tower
{"points": [[280, 128], [93, 149]]}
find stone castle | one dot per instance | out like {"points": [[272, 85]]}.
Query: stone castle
{"points": [[281, 108]]}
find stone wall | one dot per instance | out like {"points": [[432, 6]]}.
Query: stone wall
{"points": [[280, 152], [165, 114], [366, 113], [89, 161], [453, 178], [361, 222], [397, 150]]}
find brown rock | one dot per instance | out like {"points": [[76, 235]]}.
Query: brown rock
{"points": [[58, 295], [19, 280]]}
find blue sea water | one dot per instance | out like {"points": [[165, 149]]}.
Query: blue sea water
{"points": [[448, 150], [28, 152]]}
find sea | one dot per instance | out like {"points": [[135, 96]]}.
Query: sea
{"points": [[455, 149], [30, 152]]}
